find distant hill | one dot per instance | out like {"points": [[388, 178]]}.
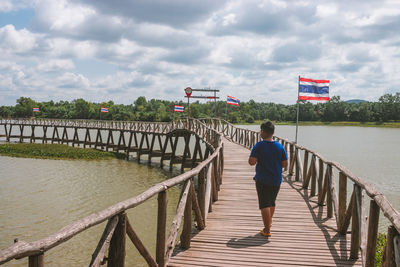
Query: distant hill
{"points": [[356, 101]]}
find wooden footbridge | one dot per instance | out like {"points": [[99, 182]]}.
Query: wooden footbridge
{"points": [[319, 219]]}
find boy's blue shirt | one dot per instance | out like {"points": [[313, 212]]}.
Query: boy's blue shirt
{"points": [[270, 155]]}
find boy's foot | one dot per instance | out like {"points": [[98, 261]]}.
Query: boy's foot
{"points": [[263, 233]]}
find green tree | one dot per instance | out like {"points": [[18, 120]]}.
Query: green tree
{"points": [[24, 107], [81, 109]]}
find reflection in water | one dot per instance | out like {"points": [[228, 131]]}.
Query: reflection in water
{"points": [[39, 197]]}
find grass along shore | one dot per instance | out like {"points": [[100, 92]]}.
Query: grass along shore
{"points": [[54, 151], [335, 123]]}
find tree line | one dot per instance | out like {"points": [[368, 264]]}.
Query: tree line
{"points": [[386, 109]]}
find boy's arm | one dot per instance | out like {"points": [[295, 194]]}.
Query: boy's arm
{"points": [[252, 161], [284, 164]]}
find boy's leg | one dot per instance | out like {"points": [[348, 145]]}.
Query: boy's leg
{"points": [[267, 214]]}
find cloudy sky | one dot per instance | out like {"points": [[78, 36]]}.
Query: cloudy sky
{"points": [[118, 50]]}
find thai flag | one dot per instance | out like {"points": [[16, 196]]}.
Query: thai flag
{"points": [[179, 108], [310, 89], [104, 109], [35, 109], [232, 101]]}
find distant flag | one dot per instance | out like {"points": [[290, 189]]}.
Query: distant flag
{"points": [[310, 89], [232, 101], [103, 109], [179, 108], [35, 109]]}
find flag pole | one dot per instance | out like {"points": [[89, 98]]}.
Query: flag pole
{"points": [[226, 110], [297, 116]]}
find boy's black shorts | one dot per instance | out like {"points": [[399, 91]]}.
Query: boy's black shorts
{"points": [[266, 194]]}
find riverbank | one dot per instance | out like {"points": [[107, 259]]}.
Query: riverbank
{"points": [[54, 151], [335, 123]]}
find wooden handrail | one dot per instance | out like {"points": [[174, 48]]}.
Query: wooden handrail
{"points": [[327, 188], [23, 249]]}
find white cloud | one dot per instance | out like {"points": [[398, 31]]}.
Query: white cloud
{"points": [[250, 49], [326, 10], [55, 65], [16, 41], [8, 5]]}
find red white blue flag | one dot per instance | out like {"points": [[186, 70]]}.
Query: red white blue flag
{"points": [[104, 109], [179, 108], [35, 109], [232, 101], [310, 89]]}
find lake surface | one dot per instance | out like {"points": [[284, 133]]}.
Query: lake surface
{"points": [[39, 197], [370, 153]]}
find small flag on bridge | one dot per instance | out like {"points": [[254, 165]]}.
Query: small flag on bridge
{"points": [[232, 101], [35, 109], [103, 109], [310, 89], [179, 108]]}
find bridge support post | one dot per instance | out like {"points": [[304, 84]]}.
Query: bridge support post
{"points": [[36, 260], [355, 227], [342, 200], [187, 221], [372, 233], [116, 252], [161, 224]]}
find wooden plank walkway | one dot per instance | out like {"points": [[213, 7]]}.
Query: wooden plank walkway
{"points": [[301, 234]]}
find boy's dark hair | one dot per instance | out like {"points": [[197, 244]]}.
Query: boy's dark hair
{"points": [[268, 127]]}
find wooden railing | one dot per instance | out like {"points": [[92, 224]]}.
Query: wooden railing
{"points": [[113, 239], [318, 174]]}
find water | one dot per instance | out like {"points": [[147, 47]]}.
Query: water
{"points": [[370, 153], [39, 197]]}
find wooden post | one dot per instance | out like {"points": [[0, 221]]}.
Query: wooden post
{"points": [[390, 250], [329, 201], [305, 165], [213, 182], [9, 133], [129, 145], [320, 176], [186, 152], [372, 234], [75, 136], [86, 137], [151, 146], [196, 208], [44, 134], [36, 260], [161, 223], [187, 223], [201, 196], [140, 147], [116, 252], [6, 133], [173, 153], [297, 165], [314, 176], [342, 199], [292, 160], [163, 150], [21, 129], [32, 134], [355, 227]]}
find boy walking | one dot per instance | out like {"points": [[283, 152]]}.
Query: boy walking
{"points": [[270, 157]]}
